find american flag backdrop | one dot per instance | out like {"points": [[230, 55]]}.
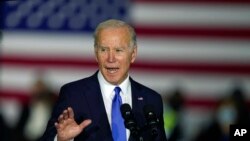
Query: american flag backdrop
{"points": [[202, 46]]}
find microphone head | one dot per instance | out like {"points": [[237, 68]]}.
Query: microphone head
{"points": [[129, 120], [151, 119], [126, 111]]}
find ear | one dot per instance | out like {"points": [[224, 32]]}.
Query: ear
{"points": [[96, 51], [134, 54]]}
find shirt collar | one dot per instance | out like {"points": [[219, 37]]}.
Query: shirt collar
{"points": [[107, 88]]}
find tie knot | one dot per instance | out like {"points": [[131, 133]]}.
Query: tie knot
{"points": [[117, 90]]}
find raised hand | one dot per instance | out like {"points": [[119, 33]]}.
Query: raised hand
{"points": [[67, 128]]}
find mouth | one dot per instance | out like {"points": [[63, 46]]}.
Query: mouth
{"points": [[112, 70]]}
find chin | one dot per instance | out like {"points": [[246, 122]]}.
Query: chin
{"points": [[113, 82]]}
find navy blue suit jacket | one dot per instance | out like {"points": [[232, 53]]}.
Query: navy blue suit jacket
{"points": [[85, 97]]}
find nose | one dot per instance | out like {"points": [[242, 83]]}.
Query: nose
{"points": [[111, 56]]}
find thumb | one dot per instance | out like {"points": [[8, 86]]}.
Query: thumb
{"points": [[85, 123]]}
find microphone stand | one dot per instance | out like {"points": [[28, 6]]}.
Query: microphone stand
{"points": [[136, 134], [140, 139]]}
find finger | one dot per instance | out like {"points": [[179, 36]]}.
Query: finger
{"points": [[71, 112], [58, 126], [65, 114], [60, 118], [85, 123]]}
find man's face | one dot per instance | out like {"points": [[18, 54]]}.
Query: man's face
{"points": [[114, 55]]}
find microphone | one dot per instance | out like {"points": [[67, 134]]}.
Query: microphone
{"points": [[151, 119], [129, 120]]}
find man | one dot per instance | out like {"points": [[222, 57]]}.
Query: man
{"points": [[84, 110]]}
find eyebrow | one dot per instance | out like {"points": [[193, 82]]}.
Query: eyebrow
{"points": [[118, 47]]}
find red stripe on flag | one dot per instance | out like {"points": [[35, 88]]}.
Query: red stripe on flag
{"points": [[169, 31], [166, 66], [21, 96]]}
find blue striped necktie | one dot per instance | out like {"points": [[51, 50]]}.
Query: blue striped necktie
{"points": [[118, 127]]}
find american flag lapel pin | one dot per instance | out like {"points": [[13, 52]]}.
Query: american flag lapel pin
{"points": [[140, 98]]}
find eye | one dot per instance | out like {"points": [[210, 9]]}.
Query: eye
{"points": [[102, 49], [119, 50]]}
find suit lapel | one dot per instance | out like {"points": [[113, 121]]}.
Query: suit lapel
{"points": [[138, 102], [97, 109], [138, 98]]}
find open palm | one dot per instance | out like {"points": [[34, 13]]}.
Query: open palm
{"points": [[67, 128]]}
